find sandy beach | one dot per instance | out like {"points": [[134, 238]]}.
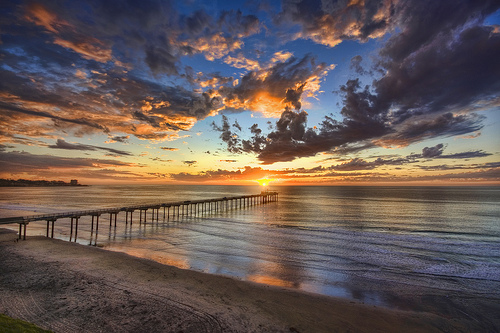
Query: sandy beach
{"points": [[67, 287]]}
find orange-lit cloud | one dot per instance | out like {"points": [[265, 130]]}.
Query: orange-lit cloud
{"points": [[88, 47], [213, 47], [278, 86], [240, 61], [281, 56], [41, 16]]}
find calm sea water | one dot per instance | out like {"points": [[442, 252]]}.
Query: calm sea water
{"points": [[363, 243]]}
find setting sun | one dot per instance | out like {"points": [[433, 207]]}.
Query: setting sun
{"points": [[264, 181]]}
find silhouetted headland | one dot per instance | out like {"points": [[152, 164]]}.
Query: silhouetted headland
{"points": [[37, 183]]}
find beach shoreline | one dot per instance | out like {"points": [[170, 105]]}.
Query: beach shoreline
{"points": [[67, 287]]}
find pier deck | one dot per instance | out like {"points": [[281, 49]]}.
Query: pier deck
{"points": [[185, 208]]}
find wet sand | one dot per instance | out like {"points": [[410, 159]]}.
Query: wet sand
{"points": [[67, 287]]}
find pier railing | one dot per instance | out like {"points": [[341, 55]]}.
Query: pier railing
{"points": [[202, 205]]}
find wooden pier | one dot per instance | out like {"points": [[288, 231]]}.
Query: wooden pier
{"points": [[170, 210]]}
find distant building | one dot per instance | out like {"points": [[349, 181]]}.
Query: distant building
{"points": [[74, 182]]}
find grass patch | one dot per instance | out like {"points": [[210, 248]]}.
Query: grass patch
{"points": [[11, 325]]}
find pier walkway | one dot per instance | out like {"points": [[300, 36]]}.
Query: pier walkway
{"points": [[170, 209]]}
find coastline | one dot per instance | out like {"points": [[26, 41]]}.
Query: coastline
{"points": [[65, 286]]}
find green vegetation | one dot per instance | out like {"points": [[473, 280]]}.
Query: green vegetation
{"points": [[11, 325]]}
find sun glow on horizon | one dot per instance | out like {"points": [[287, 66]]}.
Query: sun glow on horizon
{"points": [[264, 182]]}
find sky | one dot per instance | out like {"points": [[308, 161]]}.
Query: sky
{"points": [[292, 92]]}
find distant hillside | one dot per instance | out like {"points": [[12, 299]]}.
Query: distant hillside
{"points": [[26, 183]]}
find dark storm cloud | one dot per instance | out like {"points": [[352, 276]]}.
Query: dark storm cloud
{"points": [[468, 154], [444, 167], [161, 59], [441, 19], [293, 96], [61, 144], [122, 139], [227, 135], [434, 74], [436, 66], [430, 152], [331, 22], [440, 125], [360, 164], [291, 138], [235, 23], [443, 75], [16, 162], [357, 164]]}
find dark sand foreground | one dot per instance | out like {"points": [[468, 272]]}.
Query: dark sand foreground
{"points": [[66, 287]]}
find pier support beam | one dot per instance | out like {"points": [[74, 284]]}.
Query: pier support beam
{"points": [[52, 232], [22, 230]]}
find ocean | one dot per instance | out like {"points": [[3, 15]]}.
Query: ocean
{"points": [[370, 244]]}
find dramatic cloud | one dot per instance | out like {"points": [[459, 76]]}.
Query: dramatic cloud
{"points": [[22, 164], [101, 42], [122, 139], [468, 154], [331, 22], [67, 35], [435, 74], [107, 102], [445, 167], [271, 89], [430, 152], [61, 144], [360, 164], [227, 135]]}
